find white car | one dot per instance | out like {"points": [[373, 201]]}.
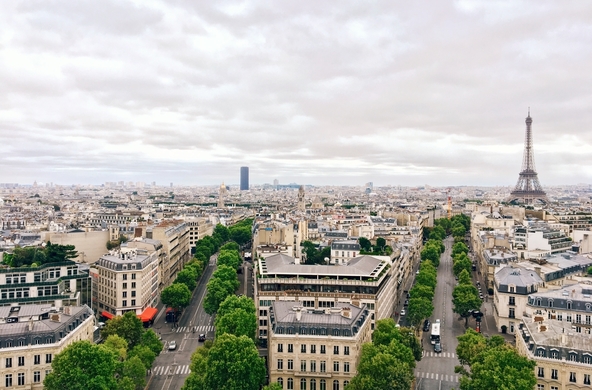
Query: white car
{"points": [[172, 345], [403, 312]]}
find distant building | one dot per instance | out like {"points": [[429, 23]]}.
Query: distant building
{"points": [[174, 236], [315, 348], [31, 336], [344, 251], [244, 178]]}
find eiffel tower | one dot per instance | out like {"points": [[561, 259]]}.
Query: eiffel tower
{"points": [[528, 189]]}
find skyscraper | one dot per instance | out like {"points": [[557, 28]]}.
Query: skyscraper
{"points": [[244, 178]]}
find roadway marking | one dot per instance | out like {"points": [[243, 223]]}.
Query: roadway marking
{"points": [[198, 329], [168, 370], [433, 375], [451, 355]]}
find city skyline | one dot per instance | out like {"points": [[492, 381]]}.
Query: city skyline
{"points": [[306, 92]]}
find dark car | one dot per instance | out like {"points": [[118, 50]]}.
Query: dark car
{"points": [[406, 303], [202, 337], [437, 347], [426, 326]]}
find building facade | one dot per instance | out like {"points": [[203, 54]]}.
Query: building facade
{"points": [[31, 336], [244, 178], [174, 237], [315, 348]]}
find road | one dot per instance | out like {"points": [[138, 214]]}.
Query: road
{"points": [[435, 371], [172, 367]]}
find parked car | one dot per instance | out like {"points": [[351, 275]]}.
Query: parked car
{"points": [[406, 303], [202, 337], [437, 347], [426, 326], [403, 312], [172, 345]]}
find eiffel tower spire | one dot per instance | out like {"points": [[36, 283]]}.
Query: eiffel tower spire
{"points": [[528, 189]]}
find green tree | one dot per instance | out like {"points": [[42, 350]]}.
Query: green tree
{"points": [[426, 279], [151, 340], [465, 299], [464, 277], [240, 235], [145, 354], [230, 246], [380, 243], [127, 326], [55, 253], [134, 369], [430, 253], [421, 291], [177, 296], [217, 291], [501, 367], [234, 302], [198, 367], [438, 233], [418, 310], [365, 244], [222, 231], [470, 345], [234, 363], [230, 258], [188, 277], [385, 331], [227, 274], [458, 230], [83, 366], [463, 263], [273, 386], [379, 370], [237, 322], [118, 345], [458, 248]]}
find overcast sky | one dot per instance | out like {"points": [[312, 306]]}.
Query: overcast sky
{"points": [[317, 92]]}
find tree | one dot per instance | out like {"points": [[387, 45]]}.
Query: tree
{"points": [[458, 248], [470, 345], [458, 230], [418, 310], [234, 363], [222, 231], [134, 369], [380, 243], [426, 279], [430, 253], [145, 354], [55, 253], [237, 322], [198, 367], [273, 386], [365, 244], [150, 339], [438, 233], [230, 258], [379, 370], [83, 366], [240, 235], [127, 326], [385, 331], [421, 291], [463, 263], [218, 290], [227, 274], [501, 367], [465, 299], [177, 296], [118, 345], [464, 277], [233, 302], [230, 246], [188, 277]]}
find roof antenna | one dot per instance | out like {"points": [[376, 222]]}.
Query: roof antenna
{"points": [[528, 111]]}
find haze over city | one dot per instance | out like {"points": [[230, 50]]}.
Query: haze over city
{"points": [[307, 92]]}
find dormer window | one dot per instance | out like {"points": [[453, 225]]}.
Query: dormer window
{"points": [[568, 305]]}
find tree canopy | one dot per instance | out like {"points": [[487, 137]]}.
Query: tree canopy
{"points": [[128, 326], [465, 299], [177, 296]]}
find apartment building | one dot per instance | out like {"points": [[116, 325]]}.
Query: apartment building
{"points": [[570, 305], [539, 239], [365, 280], [272, 232], [510, 295], [563, 358], [199, 227], [315, 348], [127, 280], [344, 251], [174, 237], [492, 259], [58, 284], [31, 336]]}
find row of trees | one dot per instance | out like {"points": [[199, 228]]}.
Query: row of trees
{"points": [[224, 281], [119, 363], [389, 360], [490, 363], [34, 256], [232, 361], [380, 249]]}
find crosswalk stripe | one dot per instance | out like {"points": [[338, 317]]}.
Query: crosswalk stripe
{"points": [[166, 370], [437, 376]]}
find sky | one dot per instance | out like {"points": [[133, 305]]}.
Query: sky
{"points": [[315, 92]]}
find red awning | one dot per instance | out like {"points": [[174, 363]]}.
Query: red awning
{"points": [[107, 314], [148, 314]]}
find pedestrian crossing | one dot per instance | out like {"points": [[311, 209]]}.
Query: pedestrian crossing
{"points": [[441, 354], [198, 329], [171, 370], [438, 377]]}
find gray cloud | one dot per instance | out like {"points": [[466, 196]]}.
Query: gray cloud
{"points": [[307, 91]]}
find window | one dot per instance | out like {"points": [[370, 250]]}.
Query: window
{"points": [[323, 366], [133, 284], [37, 359], [124, 276], [346, 350], [124, 294], [8, 380], [21, 378], [36, 376], [323, 384], [125, 285], [540, 352], [335, 384], [336, 350], [512, 313], [280, 347], [541, 372], [568, 318], [568, 305], [290, 383], [290, 364], [587, 359], [322, 349], [124, 303], [303, 366], [512, 290], [280, 364], [572, 357], [572, 377], [578, 318], [554, 388], [134, 303], [21, 361], [512, 300], [281, 382], [48, 358], [290, 348], [335, 366], [302, 384], [303, 348], [554, 374], [555, 354], [346, 367], [133, 276], [8, 363], [559, 317], [313, 384], [540, 387], [586, 379], [313, 366], [313, 348], [345, 383]]}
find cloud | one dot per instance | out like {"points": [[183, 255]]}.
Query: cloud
{"points": [[306, 91]]}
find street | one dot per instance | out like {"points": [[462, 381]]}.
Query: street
{"points": [[435, 371], [172, 367]]}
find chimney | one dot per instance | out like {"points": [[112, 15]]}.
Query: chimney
{"points": [[346, 312], [31, 324], [298, 310], [538, 271]]}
